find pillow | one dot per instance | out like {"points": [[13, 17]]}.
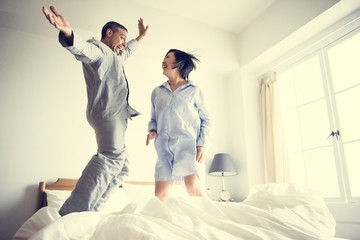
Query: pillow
{"points": [[56, 198], [282, 195], [117, 201]]}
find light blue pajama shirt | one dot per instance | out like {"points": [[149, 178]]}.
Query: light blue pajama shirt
{"points": [[182, 122], [107, 112]]}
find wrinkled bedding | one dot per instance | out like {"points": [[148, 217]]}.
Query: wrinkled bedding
{"points": [[271, 211]]}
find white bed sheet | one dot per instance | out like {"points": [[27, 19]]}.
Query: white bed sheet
{"points": [[271, 211]]}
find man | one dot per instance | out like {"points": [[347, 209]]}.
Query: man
{"points": [[107, 109]]}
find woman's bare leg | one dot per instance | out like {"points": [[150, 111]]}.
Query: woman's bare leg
{"points": [[162, 189], [193, 185]]}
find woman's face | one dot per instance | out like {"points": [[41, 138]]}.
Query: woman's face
{"points": [[168, 64]]}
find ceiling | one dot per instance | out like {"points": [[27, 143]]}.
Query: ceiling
{"points": [[229, 15]]}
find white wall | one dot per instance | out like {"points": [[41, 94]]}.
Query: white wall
{"points": [[44, 133]]}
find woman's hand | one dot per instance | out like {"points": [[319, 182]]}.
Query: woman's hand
{"points": [[200, 154], [152, 135]]}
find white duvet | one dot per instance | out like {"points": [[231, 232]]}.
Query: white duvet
{"points": [[271, 211]]}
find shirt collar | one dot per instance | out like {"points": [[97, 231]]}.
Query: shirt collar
{"points": [[189, 83]]}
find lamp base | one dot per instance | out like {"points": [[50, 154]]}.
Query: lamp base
{"points": [[224, 196]]}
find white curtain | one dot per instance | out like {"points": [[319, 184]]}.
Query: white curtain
{"points": [[276, 166]]}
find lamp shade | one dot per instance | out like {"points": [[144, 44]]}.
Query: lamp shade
{"points": [[222, 165]]}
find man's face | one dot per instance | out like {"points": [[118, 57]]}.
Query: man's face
{"points": [[117, 40]]}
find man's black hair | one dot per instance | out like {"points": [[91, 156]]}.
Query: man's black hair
{"points": [[113, 26]]}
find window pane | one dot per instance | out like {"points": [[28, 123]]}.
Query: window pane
{"points": [[315, 125], [344, 59], [352, 155], [292, 131], [321, 171], [297, 169], [308, 80], [349, 116]]}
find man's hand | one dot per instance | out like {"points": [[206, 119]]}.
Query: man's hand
{"points": [[142, 29], [152, 135], [57, 20], [200, 154]]}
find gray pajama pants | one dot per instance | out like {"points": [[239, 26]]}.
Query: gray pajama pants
{"points": [[104, 171]]}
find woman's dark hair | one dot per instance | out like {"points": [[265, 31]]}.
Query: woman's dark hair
{"points": [[185, 62], [113, 26]]}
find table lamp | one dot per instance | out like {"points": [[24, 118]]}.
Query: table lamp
{"points": [[222, 166]]}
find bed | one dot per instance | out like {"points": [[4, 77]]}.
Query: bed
{"points": [[271, 211]]}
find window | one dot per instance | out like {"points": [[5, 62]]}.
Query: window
{"points": [[319, 100]]}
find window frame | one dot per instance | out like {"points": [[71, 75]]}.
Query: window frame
{"points": [[321, 49]]}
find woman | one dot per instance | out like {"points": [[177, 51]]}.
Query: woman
{"points": [[180, 125]]}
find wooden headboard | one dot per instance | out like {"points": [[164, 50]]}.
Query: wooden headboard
{"points": [[69, 184]]}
